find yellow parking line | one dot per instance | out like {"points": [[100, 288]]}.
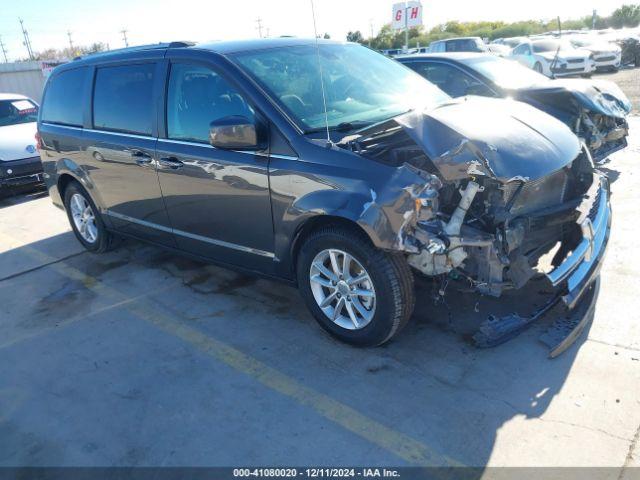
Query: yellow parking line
{"points": [[398, 443]]}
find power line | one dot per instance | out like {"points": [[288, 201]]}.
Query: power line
{"points": [[27, 42], [124, 36], [4, 51]]}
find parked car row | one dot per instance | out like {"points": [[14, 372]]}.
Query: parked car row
{"points": [[346, 184], [552, 54]]}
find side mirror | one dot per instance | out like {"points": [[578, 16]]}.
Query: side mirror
{"points": [[234, 132]]}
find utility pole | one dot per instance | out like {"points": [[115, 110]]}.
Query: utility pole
{"points": [[593, 19], [27, 42], [259, 27], [73, 50], [124, 36], [406, 26], [4, 51], [371, 27]]}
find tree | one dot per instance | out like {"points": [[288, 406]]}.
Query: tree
{"points": [[625, 16], [355, 37], [326, 36]]}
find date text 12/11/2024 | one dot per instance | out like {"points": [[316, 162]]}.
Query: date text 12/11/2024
{"points": [[316, 472]]}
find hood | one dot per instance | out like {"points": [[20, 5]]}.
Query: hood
{"points": [[18, 141], [598, 96], [504, 139]]}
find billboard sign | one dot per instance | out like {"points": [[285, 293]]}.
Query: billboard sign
{"points": [[407, 14]]}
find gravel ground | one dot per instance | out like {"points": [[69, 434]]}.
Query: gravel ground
{"points": [[629, 81]]}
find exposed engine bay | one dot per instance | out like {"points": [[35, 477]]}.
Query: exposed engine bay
{"points": [[603, 134], [595, 110], [466, 219]]}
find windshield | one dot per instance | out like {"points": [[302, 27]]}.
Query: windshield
{"points": [[507, 73], [550, 46], [13, 112], [361, 86]]}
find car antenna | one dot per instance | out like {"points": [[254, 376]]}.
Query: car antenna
{"points": [[324, 98], [555, 58]]}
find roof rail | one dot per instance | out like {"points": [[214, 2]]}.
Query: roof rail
{"points": [[137, 48]]}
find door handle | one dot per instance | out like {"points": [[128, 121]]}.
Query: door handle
{"points": [[170, 162], [141, 158], [145, 161]]}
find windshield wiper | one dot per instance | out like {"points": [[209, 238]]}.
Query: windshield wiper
{"points": [[341, 127]]}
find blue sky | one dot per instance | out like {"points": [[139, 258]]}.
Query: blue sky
{"points": [[149, 21]]}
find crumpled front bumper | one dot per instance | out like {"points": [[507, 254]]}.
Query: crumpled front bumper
{"points": [[582, 266]]}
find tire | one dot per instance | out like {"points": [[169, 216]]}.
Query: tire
{"points": [[537, 67], [586, 75], [104, 240], [388, 277]]}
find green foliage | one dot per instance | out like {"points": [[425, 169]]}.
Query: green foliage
{"points": [[625, 16], [355, 37]]}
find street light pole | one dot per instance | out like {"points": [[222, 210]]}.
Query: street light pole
{"points": [[406, 26]]}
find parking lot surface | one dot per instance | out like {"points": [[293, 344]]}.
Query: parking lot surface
{"points": [[139, 357]]}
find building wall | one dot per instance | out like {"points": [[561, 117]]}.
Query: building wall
{"points": [[25, 78]]}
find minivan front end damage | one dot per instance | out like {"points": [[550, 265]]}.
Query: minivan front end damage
{"points": [[484, 216]]}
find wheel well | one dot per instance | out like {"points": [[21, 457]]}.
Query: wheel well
{"points": [[63, 182], [316, 223]]}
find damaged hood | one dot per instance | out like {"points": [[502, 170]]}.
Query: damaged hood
{"points": [[598, 96], [503, 139]]}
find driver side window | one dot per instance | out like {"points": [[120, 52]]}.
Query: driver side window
{"points": [[198, 96]]}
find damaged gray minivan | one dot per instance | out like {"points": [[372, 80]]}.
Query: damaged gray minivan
{"points": [[346, 180]]}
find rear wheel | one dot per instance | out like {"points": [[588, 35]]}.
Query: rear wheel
{"points": [[85, 220], [586, 75], [358, 293]]}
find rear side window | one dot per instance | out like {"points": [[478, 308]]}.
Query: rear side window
{"points": [[64, 98], [123, 97]]}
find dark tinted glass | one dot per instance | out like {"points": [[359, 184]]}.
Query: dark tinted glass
{"points": [[462, 45], [197, 96], [64, 99], [122, 98], [450, 79]]}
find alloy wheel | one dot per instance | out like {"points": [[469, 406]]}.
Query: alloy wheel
{"points": [[343, 289], [84, 218]]}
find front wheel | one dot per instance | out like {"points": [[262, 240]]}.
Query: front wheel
{"points": [[85, 220], [538, 67], [586, 75], [358, 293]]}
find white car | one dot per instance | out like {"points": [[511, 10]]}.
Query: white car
{"points": [[510, 42], [554, 58], [499, 49], [607, 55], [19, 160]]}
